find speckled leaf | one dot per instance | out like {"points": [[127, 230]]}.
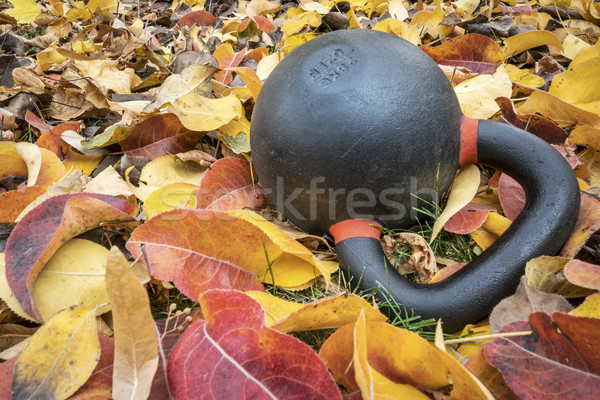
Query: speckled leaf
{"points": [[59, 358], [588, 222]]}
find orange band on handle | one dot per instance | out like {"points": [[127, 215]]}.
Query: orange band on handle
{"points": [[468, 141], [352, 228]]}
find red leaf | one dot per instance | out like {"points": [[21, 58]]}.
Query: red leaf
{"points": [[158, 136], [6, 378], [540, 126], [476, 52], [524, 9], [200, 17], [234, 355], [187, 247], [511, 196], [36, 121], [556, 360], [263, 23], [229, 185], [469, 218], [227, 58], [45, 228]]}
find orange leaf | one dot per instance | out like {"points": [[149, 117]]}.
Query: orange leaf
{"points": [[45, 228], [15, 201], [227, 58], [229, 185], [583, 274], [588, 222]]}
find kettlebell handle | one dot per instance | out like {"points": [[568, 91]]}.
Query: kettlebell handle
{"points": [[542, 227]]}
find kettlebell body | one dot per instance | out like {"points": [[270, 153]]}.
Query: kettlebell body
{"points": [[357, 130]]}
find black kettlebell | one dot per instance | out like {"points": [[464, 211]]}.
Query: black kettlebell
{"points": [[357, 129]]}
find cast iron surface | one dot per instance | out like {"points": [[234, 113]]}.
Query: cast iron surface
{"points": [[540, 229], [359, 115], [351, 117]]}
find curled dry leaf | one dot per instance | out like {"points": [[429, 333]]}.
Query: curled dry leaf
{"points": [[201, 157], [422, 260], [45, 228], [234, 353]]}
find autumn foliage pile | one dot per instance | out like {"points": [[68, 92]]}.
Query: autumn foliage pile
{"points": [[125, 185]]}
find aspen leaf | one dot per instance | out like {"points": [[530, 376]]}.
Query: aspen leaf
{"points": [[266, 65], [329, 312], [60, 356], [107, 74], [232, 354], [528, 40], [397, 10], [463, 190], [24, 11], [136, 340], [250, 78], [200, 113], [476, 95]]}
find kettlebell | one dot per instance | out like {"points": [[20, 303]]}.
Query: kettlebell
{"points": [[358, 129]]}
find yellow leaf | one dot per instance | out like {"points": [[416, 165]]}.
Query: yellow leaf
{"points": [[528, 40], [110, 5], [294, 263], [584, 135], [397, 10], [465, 384], [573, 45], [106, 74], [194, 78], [267, 64], [580, 85], [73, 276], [24, 11], [492, 228], [170, 197], [329, 312], [591, 158], [467, 5], [11, 161], [373, 385], [525, 77], [199, 113], [108, 182], [84, 162], [468, 349], [587, 53], [7, 295], [557, 110], [589, 308], [136, 339], [477, 95], [43, 166], [542, 274], [163, 171], [463, 190], [49, 56], [59, 357]]}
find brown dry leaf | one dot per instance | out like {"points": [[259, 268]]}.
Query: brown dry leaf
{"points": [[587, 224], [199, 156]]}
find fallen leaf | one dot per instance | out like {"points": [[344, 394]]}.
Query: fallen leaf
{"points": [[45, 228], [463, 190], [476, 52], [528, 40], [512, 196], [468, 218], [229, 185], [234, 353], [493, 227], [565, 352], [583, 274], [477, 95], [489, 376], [136, 340], [158, 136], [170, 197], [545, 273], [199, 17], [200, 113], [198, 156], [205, 262], [12, 203], [111, 135], [6, 377], [422, 260], [589, 308], [585, 136], [106, 74], [73, 276], [194, 78], [557, 110], [99, 384], [579, 85], [60, 356], [43, 167], [524, 302], [588, 222], [24, 11], [328, 312]]}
